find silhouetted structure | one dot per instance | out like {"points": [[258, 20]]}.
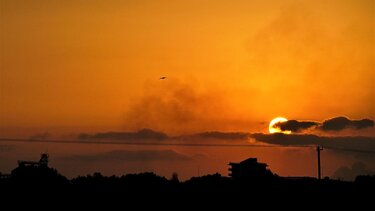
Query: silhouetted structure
{"points": [[43, 162], [251, 183], [249, 168], [36, 173]]}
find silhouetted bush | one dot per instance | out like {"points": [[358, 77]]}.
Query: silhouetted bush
{"points": [[37, 175]]}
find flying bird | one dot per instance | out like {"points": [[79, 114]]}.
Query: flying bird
{"points": [[162, 78]]}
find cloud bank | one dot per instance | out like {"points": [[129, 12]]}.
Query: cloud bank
{"points": [[333, 124], [141, 134], [152, 135], [341, 123]]}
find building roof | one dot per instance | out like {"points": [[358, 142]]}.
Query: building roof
{"points": [[249, 161]]}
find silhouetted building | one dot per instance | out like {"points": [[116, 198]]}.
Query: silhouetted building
{"points": [[37, 173], [249, 168], [43, 162]]}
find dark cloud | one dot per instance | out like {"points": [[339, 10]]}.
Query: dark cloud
{"points": [[295, 126], [141, 134], [340, 123], [130, 156], [218, 135], [354, 143], [350, 173], [334, 124], [147, 134]]}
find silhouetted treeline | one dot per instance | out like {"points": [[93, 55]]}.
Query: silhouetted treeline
{"points": [[47, 184]]}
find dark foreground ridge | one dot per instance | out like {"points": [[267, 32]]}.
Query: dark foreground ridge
{"points": [[249, 182]]}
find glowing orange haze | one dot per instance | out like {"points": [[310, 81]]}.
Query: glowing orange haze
{"points": [[85, 66], [72, 66]]}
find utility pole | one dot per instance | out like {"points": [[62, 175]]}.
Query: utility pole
{"points": [[318, 149]]}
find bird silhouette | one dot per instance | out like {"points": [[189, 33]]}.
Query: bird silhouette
{"points": [[162, 78]]}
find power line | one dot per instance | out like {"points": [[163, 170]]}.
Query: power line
{"points": [[60, 141], [350, 150]]}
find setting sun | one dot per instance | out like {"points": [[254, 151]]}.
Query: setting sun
{"points": [[273, 129]]}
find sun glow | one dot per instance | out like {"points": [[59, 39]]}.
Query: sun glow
{"points": [[273, 129]]}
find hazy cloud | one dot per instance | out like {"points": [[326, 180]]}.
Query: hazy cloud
{"points": [[350, 173], [141, 134], [359, 143], [295, 126], [131, 156], [179, 107], [340, 123]]}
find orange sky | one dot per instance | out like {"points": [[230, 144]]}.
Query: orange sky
{"points": [[72, 66], [231, 65]]}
